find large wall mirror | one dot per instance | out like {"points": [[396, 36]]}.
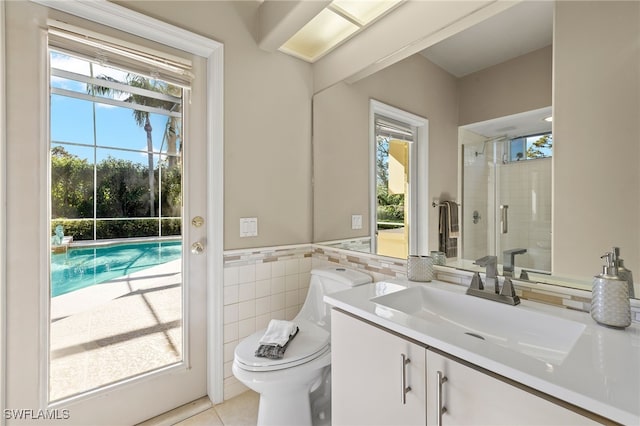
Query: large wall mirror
{"points": [[522, 182]]}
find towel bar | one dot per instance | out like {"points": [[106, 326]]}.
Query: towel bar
{"points": [[438, 204]]}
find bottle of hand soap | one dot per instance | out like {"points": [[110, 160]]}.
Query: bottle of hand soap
{"points": [[623, 273], [610, 296]]}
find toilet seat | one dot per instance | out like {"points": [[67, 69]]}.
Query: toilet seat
{"points": [[310, 342]]}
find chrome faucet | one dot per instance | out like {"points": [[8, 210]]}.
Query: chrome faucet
{"points": [[476, 288], [509, 261], [491, 263]]}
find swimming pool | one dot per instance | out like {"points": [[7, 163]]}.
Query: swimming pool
{"points": [[82, 267]]}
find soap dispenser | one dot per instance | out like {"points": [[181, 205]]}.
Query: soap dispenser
{"points": [[623, 273], [610, 296]]}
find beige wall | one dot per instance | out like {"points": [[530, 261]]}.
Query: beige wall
{"points": [[596, 132], [518, 85], [23, 218], [341, 142], [340, 162], [267, 123]]}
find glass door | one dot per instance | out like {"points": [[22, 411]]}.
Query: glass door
{"points": [[393, 191], [507, 200], [107, 314], [117, 295], [523, 201]]}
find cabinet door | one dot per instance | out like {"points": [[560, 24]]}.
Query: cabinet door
{"points": [[472, 397], [367, 376]]}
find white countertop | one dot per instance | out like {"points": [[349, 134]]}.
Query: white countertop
{"points": [[600, 374]]}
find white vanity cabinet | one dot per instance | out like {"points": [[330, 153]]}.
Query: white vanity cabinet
{"points": [[473, 397], [371, 371], [382, 378]]}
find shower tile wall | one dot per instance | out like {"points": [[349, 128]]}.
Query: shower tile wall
{"points": [[260, 285], [477, 180], [526, 187]]}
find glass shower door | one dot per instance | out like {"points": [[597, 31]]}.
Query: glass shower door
{"points": [[523, 209], [506, 204]]}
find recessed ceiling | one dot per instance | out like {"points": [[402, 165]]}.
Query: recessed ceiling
{"points": [[522, 124], [523, 28]]}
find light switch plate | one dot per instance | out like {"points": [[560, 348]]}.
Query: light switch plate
{"points": [[248, 227], [356, 221]]}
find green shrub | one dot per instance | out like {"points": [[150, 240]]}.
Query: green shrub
{"points": [[123, 228], [391, 213]]}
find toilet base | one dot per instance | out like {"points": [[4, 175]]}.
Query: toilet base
{"points": [[321, 401], [285, 409], [297, 396]]}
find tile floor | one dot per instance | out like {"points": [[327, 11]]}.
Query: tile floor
{"points": [[239, 411]]}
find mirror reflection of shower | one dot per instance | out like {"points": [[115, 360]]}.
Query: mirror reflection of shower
{"points": [[506, 193]]}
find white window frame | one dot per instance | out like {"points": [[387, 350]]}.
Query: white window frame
{"points": [[418, 176], [126, 20]]}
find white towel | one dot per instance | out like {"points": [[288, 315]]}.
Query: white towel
{"points": [[278, 332]]}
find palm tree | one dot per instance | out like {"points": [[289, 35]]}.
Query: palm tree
{"points": [[142, 117]]}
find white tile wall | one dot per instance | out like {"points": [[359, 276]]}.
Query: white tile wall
{"points": [[526, 188], [260, 286], [477, 180]]}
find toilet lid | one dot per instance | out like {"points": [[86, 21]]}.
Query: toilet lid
{"points": [[310, 342]]}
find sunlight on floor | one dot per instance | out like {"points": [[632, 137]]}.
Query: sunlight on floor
{"points": [[98, 337]]}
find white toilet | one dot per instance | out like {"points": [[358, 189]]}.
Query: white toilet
{"points": [[296, 390]]}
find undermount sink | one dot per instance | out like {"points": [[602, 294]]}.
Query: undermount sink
{"points": [[536, 334]]}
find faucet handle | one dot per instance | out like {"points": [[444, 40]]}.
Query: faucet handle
{"points": [[476, 282], [486, 260], [507, 288]]}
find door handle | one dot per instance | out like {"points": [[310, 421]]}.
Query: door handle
{"points": [[197, 247], [504, 218]]}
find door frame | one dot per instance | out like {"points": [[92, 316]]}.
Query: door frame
{"points": [[418, 176], [3, 224], [121, 18]]}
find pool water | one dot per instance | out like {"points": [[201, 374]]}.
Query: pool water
{"points": [[83, 267]]}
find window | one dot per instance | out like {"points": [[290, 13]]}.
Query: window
{"points": [[116, 142], [530, 147]]}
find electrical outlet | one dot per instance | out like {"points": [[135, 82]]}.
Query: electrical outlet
{"points": [[248, 227]]}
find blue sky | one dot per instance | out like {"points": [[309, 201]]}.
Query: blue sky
{"points": [[72, 119]]}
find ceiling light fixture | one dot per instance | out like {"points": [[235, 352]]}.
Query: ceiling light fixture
{"points": [[334, 25]]}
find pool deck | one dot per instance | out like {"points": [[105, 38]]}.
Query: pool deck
{"points": [[96, 295], [117, 329]]}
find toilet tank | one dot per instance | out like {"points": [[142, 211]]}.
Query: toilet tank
{"points": [[325, 281]]}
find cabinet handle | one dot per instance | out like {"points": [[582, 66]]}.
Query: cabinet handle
{"points": [[405, 388], [441, 409]]}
